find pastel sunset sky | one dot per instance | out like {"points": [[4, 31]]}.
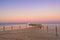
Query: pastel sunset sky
{"points": [[30, 11]]}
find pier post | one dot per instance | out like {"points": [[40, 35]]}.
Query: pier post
{"points": [[11, 27], [56, 31], [3, 28], [19, 27], [47, 29], [26, 25], [43, 27]]}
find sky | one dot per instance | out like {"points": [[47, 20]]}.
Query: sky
{"points": [[43, 11]]}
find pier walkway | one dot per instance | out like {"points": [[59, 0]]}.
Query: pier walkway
{"points": [[33, 33]]}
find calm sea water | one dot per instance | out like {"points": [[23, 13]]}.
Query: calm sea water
{"points": [[51, 27], [15, 26]]}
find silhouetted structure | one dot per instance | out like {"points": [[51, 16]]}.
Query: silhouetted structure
{"points": [[37, 25]]}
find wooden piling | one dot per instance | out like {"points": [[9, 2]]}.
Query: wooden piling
{"points": [[47, 29], [26, 25], [56, 31], [19, 27], [43, 27], [11, 27], [3, 28]]}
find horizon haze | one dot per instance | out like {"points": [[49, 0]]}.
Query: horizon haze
{"points": [[30, 11]]}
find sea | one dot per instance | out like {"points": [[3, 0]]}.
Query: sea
{"points": [[51, 28]]}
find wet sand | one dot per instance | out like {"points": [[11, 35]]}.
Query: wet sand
{"points": [[33, 33]]}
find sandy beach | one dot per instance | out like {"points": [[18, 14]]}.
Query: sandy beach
{"points": [[33, 33]]}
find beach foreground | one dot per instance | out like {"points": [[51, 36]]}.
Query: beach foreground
{"points": [[33, 33]]}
